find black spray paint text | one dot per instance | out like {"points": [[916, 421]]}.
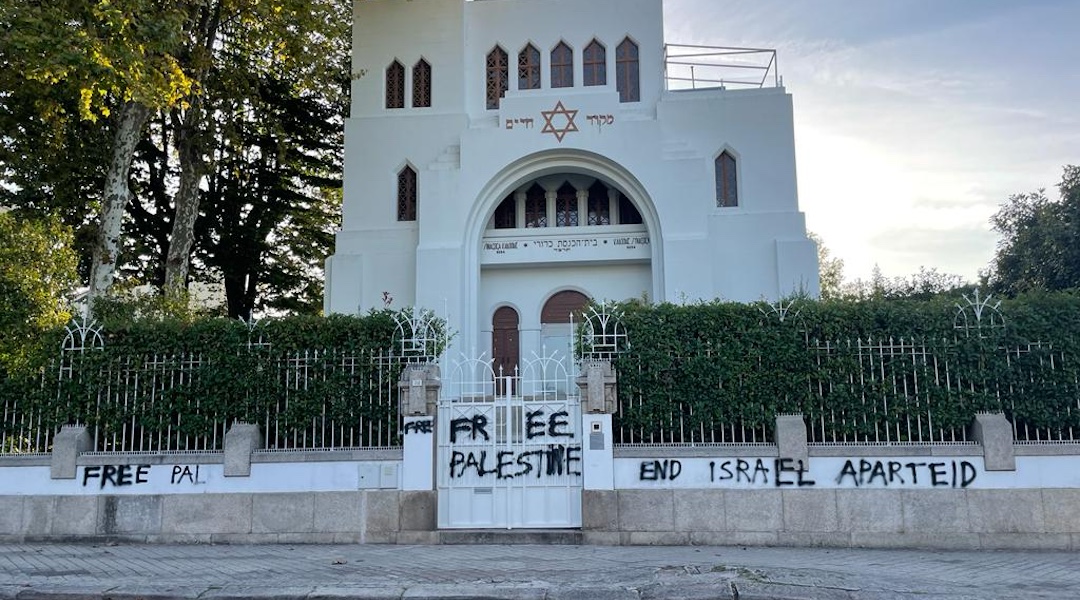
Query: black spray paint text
{"points": [[551, 461], [555, 425], [116, 475], [938, 474], [425, 426]]}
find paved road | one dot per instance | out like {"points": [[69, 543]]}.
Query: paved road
{"points": [[282, 572]]}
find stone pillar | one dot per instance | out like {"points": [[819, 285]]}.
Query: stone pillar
{"points": [[598, 388], [240, 441], [791, 439], [995, 434], [418, 395], [72, 441]]}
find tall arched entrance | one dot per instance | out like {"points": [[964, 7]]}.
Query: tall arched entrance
{"points": [[547, 234]]}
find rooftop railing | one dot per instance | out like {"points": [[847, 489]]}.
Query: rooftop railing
{"points": [[718, 67]]}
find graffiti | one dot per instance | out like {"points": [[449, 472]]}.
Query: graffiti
{"points": [[788, 465], [182, 473], [790, 473], [660, 470], [552, 460], [739, 471], [938, 474], [116, 475], [554, 426], [475, 426], [424, 426]]}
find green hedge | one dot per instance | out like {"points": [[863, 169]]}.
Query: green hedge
{"points": [[717, 367], [184, 381]]}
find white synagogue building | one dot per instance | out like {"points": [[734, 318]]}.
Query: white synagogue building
{"points": [[507, 160]]}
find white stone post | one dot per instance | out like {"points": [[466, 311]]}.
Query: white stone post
{"points": [[597, 384], [418, 392]]}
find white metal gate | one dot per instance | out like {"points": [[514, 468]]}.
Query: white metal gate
{"points": [[509, 451]]}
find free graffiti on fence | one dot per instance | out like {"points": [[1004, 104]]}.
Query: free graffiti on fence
{"points": [[540, 446], [791, 473]]}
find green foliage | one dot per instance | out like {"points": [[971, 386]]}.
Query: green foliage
{"points": [[1040, 245], [37, 276], [873, 369], [106, 51], [169, 377]]}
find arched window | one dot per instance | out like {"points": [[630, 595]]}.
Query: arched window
{"points": [[536, 207], [529, 68], [421, 84], [559, 307], [727, 188], [566, 210], [562, 66], [627, 77], [395, 85], [506, 213], [595, 64], [498, 76], [599, 205], [406, 194]]}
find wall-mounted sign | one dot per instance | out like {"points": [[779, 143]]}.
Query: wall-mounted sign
{"points": [[566, 248]]}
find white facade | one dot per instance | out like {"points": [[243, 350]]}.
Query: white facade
{"points": [[658, 151]]}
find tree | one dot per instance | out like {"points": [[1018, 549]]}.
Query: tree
{"points": [[830, 269], [37, 276], [118, 57], [1040, 244], [63, 82]]}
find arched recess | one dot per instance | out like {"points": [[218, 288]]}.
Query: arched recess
{"points": [[560, 306], [556, 330], [515, 176], [505, 344]]}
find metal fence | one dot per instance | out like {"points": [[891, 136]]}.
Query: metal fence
{"points": [[170, 403], [862, 392]]}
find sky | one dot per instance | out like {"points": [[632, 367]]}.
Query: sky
{"points": [[914, 119]]}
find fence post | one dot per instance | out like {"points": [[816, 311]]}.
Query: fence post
{"points": [[67, 445], [240, 441], [995, 434], [597, 383], [418, 397], [791, 438]]}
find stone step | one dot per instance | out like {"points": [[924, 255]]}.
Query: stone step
{"points": [[544, 537]]}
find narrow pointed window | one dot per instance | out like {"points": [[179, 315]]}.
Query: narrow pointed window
{"points": [[536, 207], [566, 210], [395, 85], [595, 64], [529, 68], [506, 213], [562, 66], [498, 76], [599, 205], [727, 188], [406, 195], [421, 82], [628, 213], [627, 76]]}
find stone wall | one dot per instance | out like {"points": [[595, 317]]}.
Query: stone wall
{"points": [[1046, 519], [368, 516]]}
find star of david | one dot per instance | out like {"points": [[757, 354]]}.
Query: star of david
{"points": [[549, 127]]}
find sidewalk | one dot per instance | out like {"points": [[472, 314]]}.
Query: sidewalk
{"points": [[281, 572]]}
